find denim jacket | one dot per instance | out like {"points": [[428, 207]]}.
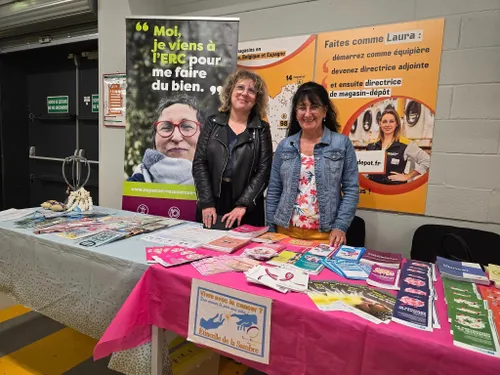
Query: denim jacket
{"points": [[336, 169]]}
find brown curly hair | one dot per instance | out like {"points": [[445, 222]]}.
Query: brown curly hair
{"points": [[261, 98]]}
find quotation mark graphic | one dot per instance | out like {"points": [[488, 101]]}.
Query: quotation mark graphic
{"points": [[143, 27], [214, 89]]}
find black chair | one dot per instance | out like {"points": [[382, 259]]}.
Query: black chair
{"points": [[462, 244], [355, 235]]}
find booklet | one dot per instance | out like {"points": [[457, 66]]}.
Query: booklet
{"points": [[169, 256], [464, 271], [494, 274], [270, 237], [460, 287], [298, 242], [226, 244], [413, 311], [474, 332], [78, 233], [223, 263], [322, 250], [415, 300], [383, 277], [373, 305], [324, 299], [241, 264], [262, 251], [212, 266], [248, 231], [102, 238], [309, 263], [284, 257], [349, 253], [281, 279], [384, 259], [348, 269]]}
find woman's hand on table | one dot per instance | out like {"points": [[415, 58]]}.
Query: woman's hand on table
{"points": [[337, 238], [209, 216], [234, 216]]}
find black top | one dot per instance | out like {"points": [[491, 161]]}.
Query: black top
{"points": [[394, 161], [231, 141]]}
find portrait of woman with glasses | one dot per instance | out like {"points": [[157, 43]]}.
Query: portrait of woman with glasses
{"points": [[175, 134], [232, 163]]}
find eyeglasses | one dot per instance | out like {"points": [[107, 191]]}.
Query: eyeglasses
{"points": [[187, 128], [240, 89], [313, 109]]}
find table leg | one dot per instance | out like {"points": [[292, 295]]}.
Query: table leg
{"points": [[156, 351]]}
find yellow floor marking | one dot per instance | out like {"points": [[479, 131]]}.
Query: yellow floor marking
{"points": [[12, 312], [52, 355], [229, 367]]}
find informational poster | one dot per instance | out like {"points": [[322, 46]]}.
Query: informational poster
{"points": [[284, 64], [371, 70], [114, 99], [176, 67], [226, 319]]}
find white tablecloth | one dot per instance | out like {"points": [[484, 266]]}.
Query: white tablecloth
{"points": [[82, 288]]}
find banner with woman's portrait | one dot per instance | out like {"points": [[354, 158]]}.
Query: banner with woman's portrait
{"points": [[383, 81], [176, 67]]}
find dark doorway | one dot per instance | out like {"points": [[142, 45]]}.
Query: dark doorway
{"points": [[48, 112]]}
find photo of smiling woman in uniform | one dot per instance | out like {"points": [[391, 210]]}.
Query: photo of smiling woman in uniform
{"points": [[405, 160]]}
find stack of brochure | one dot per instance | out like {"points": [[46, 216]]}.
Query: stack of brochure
{"points": [[262, 251], [278, 278], [302, 261], [169, 256], [373, 305], [348, 269], [345, 262], [494, 274], [270, 237], [226, 244], [492, 297], [472, 317], [187, 234], [389, 260], [224, 263], [383, 277], [415, 300], [462, 271], [248, 231]]}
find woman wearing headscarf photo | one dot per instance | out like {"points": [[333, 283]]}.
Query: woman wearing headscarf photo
{"points": [[175, 135], [232, 162]]}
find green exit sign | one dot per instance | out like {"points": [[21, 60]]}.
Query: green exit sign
{"points": [[57, 104], [95, 103]]}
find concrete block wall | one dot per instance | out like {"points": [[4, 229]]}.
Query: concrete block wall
{"points": [[464, 185]]}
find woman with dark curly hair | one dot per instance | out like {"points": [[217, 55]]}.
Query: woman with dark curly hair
{"points": [[314, 189], [232, 163]]}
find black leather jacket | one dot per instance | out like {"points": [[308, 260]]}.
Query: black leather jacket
{"points": [[252, 158]]}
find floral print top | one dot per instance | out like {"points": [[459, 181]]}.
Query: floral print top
{"points": [[306, 210]]}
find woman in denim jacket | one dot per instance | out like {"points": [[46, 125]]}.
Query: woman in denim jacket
{"points": [[314, 190]]}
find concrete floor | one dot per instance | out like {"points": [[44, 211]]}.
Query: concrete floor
{"points": [[31, 343], [6, 301]]}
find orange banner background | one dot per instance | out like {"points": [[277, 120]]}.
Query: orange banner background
{"points": [[375, 47]]}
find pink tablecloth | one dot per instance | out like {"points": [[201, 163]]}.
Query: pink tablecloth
{"points": [[304, 340]]}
